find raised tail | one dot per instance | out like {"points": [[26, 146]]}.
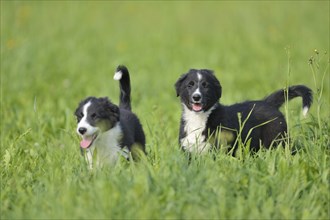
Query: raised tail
{"points": [[277, 98], [122, 75]]}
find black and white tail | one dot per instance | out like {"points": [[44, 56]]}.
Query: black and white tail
{"points": [[122, 75], [277, 98]]}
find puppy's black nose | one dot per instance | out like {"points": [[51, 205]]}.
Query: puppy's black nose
{"points": [[82, 130], [196, 97]]}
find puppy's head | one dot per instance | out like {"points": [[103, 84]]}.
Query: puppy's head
{"points": [[199, 90], [94, 116]]}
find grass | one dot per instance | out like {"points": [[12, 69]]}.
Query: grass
{"points": [[53, 54]]}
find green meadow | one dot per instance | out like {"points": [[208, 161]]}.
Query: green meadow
{"points": [[56, 53]]}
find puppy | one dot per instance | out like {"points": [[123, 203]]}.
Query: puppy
{"points": [[206, 124], [108, 131]]}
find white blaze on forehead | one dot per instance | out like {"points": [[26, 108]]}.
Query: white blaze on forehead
{"points": [[199, 76], [86, 106], [84, 123], [118, 75]]}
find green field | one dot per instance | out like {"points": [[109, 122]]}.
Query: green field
{"points": [[55, 53]]}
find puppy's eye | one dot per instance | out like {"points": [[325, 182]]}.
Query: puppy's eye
{"points": [[93, 116], [191, 84], [78, 118], [204, 84]]}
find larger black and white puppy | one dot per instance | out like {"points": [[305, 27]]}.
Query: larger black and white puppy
{"points": [[259, 123], [109, 131]]}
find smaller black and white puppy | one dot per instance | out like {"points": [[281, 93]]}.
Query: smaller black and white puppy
{"points": [[206, 124], [108, 130]]}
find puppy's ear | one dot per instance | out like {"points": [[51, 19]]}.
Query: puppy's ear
{"points": [[113, 108], [178, 83], [219, 91], [217, 84], [110, 107], [218, 88]]}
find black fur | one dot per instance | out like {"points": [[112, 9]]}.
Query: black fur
{"points": [[278, 98], [125, 88], [132, 130], [263, 118], [105, 115], [210, 87], [101, 109], [131, 126]]}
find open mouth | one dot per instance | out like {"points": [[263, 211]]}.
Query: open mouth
{"points": [[197, 107], [87, 141]]}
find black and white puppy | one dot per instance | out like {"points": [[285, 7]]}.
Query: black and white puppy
{"points": [[259, 123], [107, 130]]}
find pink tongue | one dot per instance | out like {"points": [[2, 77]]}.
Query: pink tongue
{"points": [[197, 107], [85, 143]]}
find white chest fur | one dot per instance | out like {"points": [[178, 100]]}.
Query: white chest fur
{"points": [[195, 123], [107, 148]]}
